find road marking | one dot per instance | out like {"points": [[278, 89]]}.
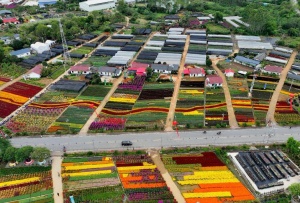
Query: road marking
{"points": [[177, 139], [244, 136], [201, 138], [222, 137], [156, 140], [88, 142]]}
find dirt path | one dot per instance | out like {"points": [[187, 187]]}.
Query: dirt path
{"points": [[275, 96], [86, 126], [231, 116], [170, 117], [166, 176], [56, 177]]}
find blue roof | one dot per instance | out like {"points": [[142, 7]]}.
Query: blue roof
{"points": [[247, 60], [21, 51]]}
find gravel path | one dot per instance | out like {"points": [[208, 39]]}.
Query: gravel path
{"points": [[170, 117], [231, 116], [275, 96], [165, 174]]}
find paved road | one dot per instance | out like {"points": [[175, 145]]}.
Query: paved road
{"points": [[157, 139]]}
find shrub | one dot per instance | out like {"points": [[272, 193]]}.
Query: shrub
{"points": [[89, 153]]}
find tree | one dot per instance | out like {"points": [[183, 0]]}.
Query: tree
{"points": [[218, 17], [4, 144], [293, 146], [10, 154], [295, 189], [208, 61], [24, 153], [149, 71], [1, 21], [40, 153], [17, 44], [2, 55]]}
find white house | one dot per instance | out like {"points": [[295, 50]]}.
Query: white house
{"points": [[213, 81], [40, 47], [80, 69], [166, 69], [96, 5], [21, 53], [229, 73], [109, 71], [194, 72], [35, 73]]}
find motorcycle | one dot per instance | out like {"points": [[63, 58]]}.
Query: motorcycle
{"points": [[64, 149], [218, 133], [204, 132]]}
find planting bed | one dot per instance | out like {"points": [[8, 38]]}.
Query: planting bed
{"points": [[97, 60], [24, 183], [94, 93], [204, 178], [189, 100], [266, 168], [156, 98], [215, 108], [91, 179], [14, 96], [142, 180], [3, 80], [119, 106]]}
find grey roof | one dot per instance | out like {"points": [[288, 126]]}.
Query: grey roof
{"points": [[246, 60], [293, 76], [107, 69], [5, 12], [164, 67], [260, 57], [21, 51]]}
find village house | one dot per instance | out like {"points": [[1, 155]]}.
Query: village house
{"points": [[21, 53], [166, 69], [194, 72], [80, 69], [35, 72], [246, 61], [229, 73], [108, 71], [213, 81]]}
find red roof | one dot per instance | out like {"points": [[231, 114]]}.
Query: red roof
{"points": [[214, 79], [275, 69], [197, 71], [10, 20], [37, 69], [80, 67], [135, 65], [229, 71], [186, 71]]}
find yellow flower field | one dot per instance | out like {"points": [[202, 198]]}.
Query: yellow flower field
{"points": [[125, 100], [86, 173], [191, 92], [208, 181], [209, 175], [80, 167], [134, 168], [17, 182], [193, 113], [13, 97], [206, 194]]}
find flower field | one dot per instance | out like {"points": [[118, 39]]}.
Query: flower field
{"points": [[142, 180], [93, 179], [14, 96], [94, 93], [204, 178], [21, 184], [156, 98], [215, 107], [237, 87], [3, 80], [243, 111], [188, 99], [120, 104]]}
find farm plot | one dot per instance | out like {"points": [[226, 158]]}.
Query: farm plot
{"points": [[285, 115], [94, 93], [242, 105], [91, 179], [265, 169], [156, 98], [3, 80], [73, 119], [189, 108], [83, 50], [204, 178], [22, 183], [97, 61], [14, 96], [215, 108], [142, 180], [119, 106]]}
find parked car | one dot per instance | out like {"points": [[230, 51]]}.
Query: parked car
{"points": [[126, 143]]}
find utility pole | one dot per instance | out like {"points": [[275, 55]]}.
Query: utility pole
{"points": [[66, 54]]}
